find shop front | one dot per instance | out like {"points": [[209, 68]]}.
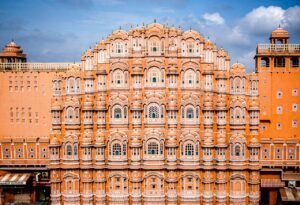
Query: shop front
{"points": [[24, 188]]}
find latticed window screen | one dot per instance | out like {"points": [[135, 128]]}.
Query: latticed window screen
{"points": [[153, 112], [189, 150], [190, 113], [116, 149], [153, 148], [117, 113]]}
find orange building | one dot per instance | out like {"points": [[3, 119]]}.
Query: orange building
{"points": [[278, 69], [25, 93]]}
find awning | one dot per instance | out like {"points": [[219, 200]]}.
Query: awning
{"points": [[290, 194], [272, 183], [291, 176], [14, 179]]}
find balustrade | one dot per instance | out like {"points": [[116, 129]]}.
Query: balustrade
{"points": [[36, 66]]}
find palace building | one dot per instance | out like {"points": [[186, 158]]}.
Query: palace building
{"points": [[155, 115], [152, 115]]}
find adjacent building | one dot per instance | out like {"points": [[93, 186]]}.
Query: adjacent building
{"points": [[277, 65], [25, 93]]}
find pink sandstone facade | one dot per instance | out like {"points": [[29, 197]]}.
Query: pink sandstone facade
{"points": [[153, 115]]}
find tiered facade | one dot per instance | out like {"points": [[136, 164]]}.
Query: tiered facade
{"points": [[155, 115]]}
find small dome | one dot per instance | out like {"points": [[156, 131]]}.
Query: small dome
{"points": [[253, 103], [88, 103], [279, 33], [56, 105], [89, 52], [101, 103], [254, 140], [136, 102], [12, 47], [221, 102], [208, 101], [13, 50], [172, 103], [208, 44], [237, 66], [54, 140]]}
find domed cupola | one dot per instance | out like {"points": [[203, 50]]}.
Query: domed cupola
{"points": [[88, 103], [100, 103], [172, 102], [171, 140], [279, 36], [136, 102], [12, 53], [208, 103], [221, 103]]}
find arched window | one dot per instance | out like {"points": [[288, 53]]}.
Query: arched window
{"points": [[116, 149], [189, 78], [294, 62], [75, 149], [71, 87], [279, 62], [153, 111], [237, 84], [154, 76], [152, 148], [119, 47], [69, 151], [118, 77], [154, 45], [264, 62], [189, 150], [70, 113], [189, 113], [117, 113], [237, 150]]}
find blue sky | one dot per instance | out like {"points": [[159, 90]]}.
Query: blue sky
{"points": [[61, 30]]}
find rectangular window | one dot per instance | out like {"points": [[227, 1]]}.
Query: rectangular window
{"points": [[295, 107], [295, 92], [279, 126], [279, 110], [294, 123], [279, 94]]}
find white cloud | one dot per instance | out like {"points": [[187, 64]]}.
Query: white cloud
{"points": [[213, 18], [262, 19]]}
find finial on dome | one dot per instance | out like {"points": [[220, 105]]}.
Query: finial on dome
{"points": [[237, 60], [143, 24], [120, 28], [154, 20], [190, 28], [279, 26]]}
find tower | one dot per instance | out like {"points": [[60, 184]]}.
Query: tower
{"points": [[277, 64]]}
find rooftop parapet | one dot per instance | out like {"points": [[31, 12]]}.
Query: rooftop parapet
{"points": [[35, 66], [277, 48]]}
